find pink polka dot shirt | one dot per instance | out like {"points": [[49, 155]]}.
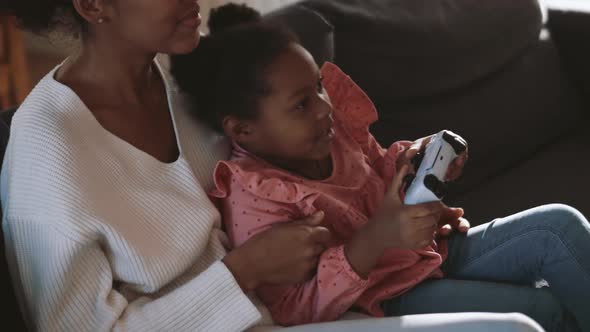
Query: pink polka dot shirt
{"points": [[253, 195]]}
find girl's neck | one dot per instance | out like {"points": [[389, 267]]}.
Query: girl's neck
{"points": [[312, 169], [309, 169]]}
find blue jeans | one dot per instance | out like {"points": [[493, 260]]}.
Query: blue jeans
{"points": [[495, 266]]}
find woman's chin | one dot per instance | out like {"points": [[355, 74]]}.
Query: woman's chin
{"points": [[186, 45]]}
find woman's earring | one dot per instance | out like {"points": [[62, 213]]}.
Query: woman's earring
{"points": [[100, 20]]}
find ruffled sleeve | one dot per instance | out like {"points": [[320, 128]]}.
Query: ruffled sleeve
{"points": [[352, 107], [251, 201], [355, 111]]}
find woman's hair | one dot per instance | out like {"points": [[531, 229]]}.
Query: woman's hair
{"points": [[41, 16], [226, 73]]}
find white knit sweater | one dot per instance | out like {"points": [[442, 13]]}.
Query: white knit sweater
{"points": [[100, 235]]}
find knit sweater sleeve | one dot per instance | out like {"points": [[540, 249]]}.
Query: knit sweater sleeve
{"points": [[67, 285]]}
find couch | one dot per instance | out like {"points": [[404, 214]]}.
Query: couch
{"points": [[511, 77]]}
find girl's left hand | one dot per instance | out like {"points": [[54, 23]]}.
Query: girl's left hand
{"points": [[452, 219], [455, 168]]}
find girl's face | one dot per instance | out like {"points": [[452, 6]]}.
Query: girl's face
{"points": [[155, 26], [294, 121]]}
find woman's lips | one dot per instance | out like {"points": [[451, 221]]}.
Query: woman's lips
{"points": [[192, 20]]}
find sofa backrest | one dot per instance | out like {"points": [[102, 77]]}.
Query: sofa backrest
{"points": [[484, 69], [315, 33], [5, 119]]}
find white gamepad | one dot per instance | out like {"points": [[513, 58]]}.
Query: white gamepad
{"points": [[428, 185]]}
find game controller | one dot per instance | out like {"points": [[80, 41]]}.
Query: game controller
{"points": [[428, 184]]}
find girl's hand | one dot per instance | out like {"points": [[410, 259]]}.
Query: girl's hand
{"points": [[452, 219], [405, 226], [284, 254], [394, 225], [405, 158], [455, 168]]}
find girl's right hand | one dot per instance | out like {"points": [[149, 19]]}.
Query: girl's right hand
{"points": [[405, 226], [284, 254], [394, 225]]}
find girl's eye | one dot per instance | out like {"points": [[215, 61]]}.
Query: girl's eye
{"points": [[302, 104], [320, 86]]}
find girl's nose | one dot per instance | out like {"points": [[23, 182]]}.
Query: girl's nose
{"points": [[324, 108]]}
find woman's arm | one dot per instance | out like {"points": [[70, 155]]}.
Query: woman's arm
{"points": [[68, 286]]}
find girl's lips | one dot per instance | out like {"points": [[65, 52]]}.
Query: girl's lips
{"points": [[328, 134], [331, 133]]}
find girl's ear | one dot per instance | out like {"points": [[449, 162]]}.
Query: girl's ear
{"points": [[237, 129]]}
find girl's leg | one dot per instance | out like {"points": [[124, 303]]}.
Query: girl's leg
{"points": [[550, 243], [464, 322], [451, 295]]}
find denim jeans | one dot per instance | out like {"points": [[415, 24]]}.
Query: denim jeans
{"points": [[495, 267]]}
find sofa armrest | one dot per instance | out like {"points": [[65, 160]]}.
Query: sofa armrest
{"points": [[569, 26]]}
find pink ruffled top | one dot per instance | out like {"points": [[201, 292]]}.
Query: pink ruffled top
{"points": [[253, 195]]}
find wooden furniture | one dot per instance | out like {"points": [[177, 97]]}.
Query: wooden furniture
{"points": [[14, 75]]}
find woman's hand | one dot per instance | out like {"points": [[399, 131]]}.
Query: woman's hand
{"points": [[283, 254], [455, 168], [394, 225]]}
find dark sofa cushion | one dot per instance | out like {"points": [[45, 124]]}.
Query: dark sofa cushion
{"points": [[556, 174], [570, 28], [476, 67], [4, 133], [506, 117], [314, 32], [409, 48], [5, 120]]}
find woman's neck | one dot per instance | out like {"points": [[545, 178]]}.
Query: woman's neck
{"points": [[121, 76]]}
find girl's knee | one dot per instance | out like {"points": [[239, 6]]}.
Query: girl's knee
{"points": [[567, 211], [563, 216]]}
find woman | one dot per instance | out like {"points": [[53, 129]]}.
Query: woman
{"points": [[106, 218]]}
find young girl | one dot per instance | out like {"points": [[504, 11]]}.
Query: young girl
{"points": [[301, 145]]}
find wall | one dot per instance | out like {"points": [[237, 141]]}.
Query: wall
{"points": [[263, 6]]}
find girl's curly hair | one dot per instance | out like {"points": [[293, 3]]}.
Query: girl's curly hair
{"points": [[226, 74]]}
